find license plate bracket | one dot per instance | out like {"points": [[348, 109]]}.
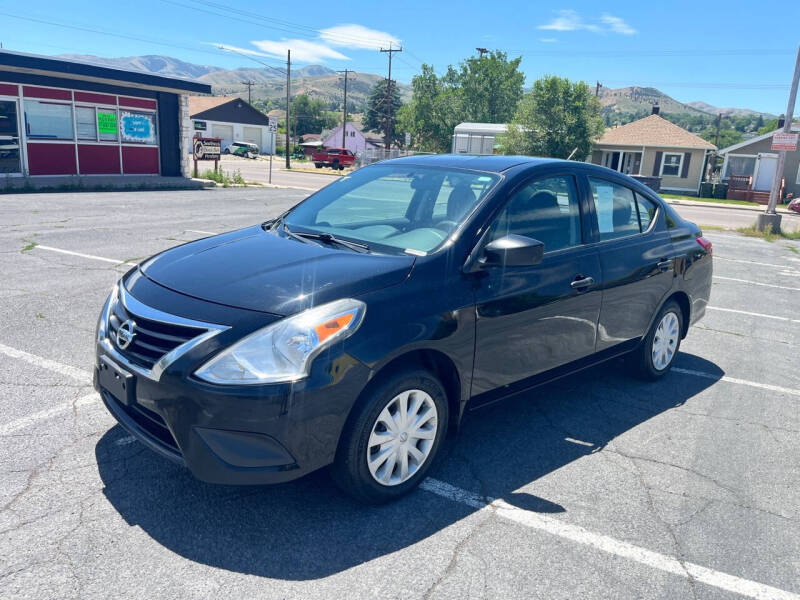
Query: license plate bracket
{"points": [[117, 381]]}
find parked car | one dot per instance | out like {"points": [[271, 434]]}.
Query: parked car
{"points": [[245, 149], [354, 329], [794, 205], [335, 158]]}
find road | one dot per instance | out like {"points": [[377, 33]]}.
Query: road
{"points": [[593, 487]]}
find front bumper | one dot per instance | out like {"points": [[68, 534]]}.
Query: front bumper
{"points": [[260, 434]]}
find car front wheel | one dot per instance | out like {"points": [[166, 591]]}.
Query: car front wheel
{"points": [[661, 344], [393, 438]]}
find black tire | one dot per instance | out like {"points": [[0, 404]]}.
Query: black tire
{"points": [[226, 151], [643, 355], [335, 165], [350, 470], [318, 165]]}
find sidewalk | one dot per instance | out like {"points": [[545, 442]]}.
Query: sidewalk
{"points": [[98, 183], [759, 208]]}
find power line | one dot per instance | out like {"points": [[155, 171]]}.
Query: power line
{"points": [[388, 103]]}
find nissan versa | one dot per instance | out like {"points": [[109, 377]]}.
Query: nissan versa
{"points": [[354, 329]]}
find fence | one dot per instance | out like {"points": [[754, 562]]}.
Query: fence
{"points": [[373, 155]]}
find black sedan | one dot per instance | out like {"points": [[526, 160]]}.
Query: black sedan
{"points": [[354, 329]]}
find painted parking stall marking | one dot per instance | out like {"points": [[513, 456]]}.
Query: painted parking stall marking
{"points": [[753, 314], [82, 255], [579, 535], [750, 282]]}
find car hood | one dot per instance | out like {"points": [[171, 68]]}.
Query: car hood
{"points": [[258, 270]]}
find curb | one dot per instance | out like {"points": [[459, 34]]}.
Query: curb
{"points": [[759, 208]]}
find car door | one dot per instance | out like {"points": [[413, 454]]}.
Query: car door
{"points": [[531, 319], [636, 258]]}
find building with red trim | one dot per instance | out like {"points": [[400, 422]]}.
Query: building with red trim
{"points": [[62, 117]]}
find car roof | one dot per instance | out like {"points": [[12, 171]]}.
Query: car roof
{"points": [[491, 162]]}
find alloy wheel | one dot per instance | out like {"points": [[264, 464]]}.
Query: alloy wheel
{"points": [[665, 341], [402, 437]]}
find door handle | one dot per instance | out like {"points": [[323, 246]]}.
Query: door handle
{"points": [[581, 282], [664, 265]]}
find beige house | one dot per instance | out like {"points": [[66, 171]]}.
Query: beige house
{"points": [[654, 147]]}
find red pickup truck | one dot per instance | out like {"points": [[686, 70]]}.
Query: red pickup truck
{"points": [[335, 158]]}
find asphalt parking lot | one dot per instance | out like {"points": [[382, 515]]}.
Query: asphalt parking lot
{"points": [[597, 486]]}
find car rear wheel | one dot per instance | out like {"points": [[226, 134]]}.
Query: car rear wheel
{"points": [[661, 344], [318, 165], [391, 441]]}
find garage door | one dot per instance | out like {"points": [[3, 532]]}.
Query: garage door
{"points": [[222, 131], [253, 135]]}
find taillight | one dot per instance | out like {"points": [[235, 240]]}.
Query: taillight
{"points": [[706, 244]]}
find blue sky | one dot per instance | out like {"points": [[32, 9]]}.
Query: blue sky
{"points": [[726, 53]]}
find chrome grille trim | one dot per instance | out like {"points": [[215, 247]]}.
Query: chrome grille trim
{"points": [[136, 307]]}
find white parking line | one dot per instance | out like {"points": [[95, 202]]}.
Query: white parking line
{"points": [[763, 386], [753, 314], [769, 285], [575, 533], [752, 262], [200, 231], [43, 415], [82, 255], [46, 363]]}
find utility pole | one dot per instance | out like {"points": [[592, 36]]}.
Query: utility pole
{"points": [[288, 101], [388, 104], [770, 217], [482, 51], [719, 124], [344, 109], [597, 89], [249, 84]]}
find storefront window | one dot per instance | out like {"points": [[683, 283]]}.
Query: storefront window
{"points": [[86, 124], [107, 124], [138, 127], [48, 120]]}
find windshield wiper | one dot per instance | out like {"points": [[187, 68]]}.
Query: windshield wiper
{"points": [[326, 238], [329, 238]]}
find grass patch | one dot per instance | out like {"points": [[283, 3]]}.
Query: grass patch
{"points": [[709, 200], [39, 315], [769, 235], [224, 178], [29, 246], [712, 228], [794, 249]]}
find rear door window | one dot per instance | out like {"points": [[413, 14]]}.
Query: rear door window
{"points": [[615, 207], [647, 211]]}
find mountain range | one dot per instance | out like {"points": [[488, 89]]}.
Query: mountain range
{"points": [[325, 83]]}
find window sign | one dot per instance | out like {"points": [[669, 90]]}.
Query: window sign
{"points": [[200, 125], [605, 207], [107, 124], [138, 127]]}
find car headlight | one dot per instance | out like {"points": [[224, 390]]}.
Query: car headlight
{"points": [[283, 351]]}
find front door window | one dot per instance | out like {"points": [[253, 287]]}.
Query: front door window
{"points": [[9, 138]]}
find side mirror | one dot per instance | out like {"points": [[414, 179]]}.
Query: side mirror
{"points": [[513, 251]]}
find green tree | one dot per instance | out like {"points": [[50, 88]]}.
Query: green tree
{"points": [[490, 87], [482, 89], [727, 136], [311, 115], [770, 125], [556, 117], [375, 116], [433, 112]]}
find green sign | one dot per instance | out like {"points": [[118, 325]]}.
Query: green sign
{"points": [[107, 122]]}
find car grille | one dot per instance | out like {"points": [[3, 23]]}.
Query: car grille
{"points": [[153, 339]]}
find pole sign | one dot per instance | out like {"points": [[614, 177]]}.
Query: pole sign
{"points": [[207, 148], [784, 141], [273, 124]]}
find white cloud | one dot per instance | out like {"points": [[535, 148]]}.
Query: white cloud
{"points": [[617, 25], [548, 40], [358, 36], [570, 20], [246, 51], [302, 50]]}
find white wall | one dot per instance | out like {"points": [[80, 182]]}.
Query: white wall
{"points": [[266, 145]]}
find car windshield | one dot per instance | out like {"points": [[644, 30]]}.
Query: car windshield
{"points": [[394, 207]]}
